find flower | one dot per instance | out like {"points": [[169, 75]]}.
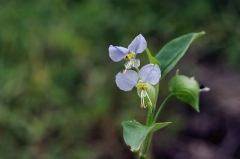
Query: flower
{"points": [[202, 88], [117, 53], [148, 74]]}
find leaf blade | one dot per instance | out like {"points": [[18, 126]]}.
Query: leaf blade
{"points": [[158, 126], [135, 133], [172, 52]]}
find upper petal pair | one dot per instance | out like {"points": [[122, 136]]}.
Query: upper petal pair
{"points": [[138, 45], [117, 53]]}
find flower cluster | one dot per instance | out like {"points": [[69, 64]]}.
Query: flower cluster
{"points": [[127, 79]]}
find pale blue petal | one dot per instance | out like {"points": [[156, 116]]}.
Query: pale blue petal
{"points": [[138, 45], [126, 81], [117, 53], [150, 73]]}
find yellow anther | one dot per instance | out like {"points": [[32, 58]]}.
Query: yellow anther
{"points": [[123, 71], [129, 56], [142, 86]]}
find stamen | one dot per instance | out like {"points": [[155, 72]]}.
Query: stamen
{"points": [[142, 87], [128, 65], [123, 71], [149, 103], [142, 100], [129, 56]]}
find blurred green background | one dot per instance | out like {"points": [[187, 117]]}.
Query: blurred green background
{"points": [[58, 97]]}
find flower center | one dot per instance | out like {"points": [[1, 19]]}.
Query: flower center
{"points": [[129, 56], [142, 86], [130, 64]]}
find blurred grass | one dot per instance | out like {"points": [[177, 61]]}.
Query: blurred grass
{"points": [[57, 81]]}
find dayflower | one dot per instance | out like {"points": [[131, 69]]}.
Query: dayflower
{"points": [[148, 74], [118, 53]]}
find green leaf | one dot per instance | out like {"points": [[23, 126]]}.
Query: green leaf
{"points": [[158, 126], [152, 59], [135, 133], [172, 52], [185, 89]]}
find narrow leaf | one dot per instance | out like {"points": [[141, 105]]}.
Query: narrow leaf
{"points": [[172, 52], [158, 126], [152, 59]]}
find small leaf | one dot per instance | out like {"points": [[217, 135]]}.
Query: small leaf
{"points": [[185, 89], [158, 126], [152, 59], [172, 52], [135, 133]]}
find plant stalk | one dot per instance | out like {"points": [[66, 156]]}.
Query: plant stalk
{"points": [[146, 146], [162, 106]]}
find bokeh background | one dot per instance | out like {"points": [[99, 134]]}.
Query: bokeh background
{"points": [[58, 97]]}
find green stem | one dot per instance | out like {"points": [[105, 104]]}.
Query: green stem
{"points": [[147, 141], [137, 69], [148, 52], [150, 117], [162, 106], [145, 147]]}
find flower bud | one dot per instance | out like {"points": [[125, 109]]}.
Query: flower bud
{"points": [[185, 89]]}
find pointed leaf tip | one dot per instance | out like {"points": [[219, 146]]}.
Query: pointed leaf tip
{"points": [[173, 51]]}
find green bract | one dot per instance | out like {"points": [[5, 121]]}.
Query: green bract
{"points": [[185, 89]]}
